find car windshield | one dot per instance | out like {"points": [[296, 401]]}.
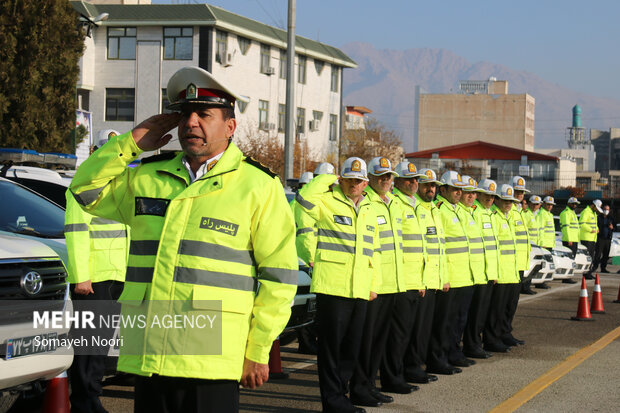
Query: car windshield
{"points": [[25, 212]]}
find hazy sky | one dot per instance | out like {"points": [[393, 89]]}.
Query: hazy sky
{"points": [[571, 43]]}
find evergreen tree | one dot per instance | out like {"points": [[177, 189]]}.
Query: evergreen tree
{"points": [[40, 47]]}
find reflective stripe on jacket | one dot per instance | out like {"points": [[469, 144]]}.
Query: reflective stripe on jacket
{"points": [[212, 241], [569, 225], [434, 275], [508, 271], [588, 227], [546, 233], [486, 223], [524, 248], [413, 242], [97, 248], [477, 262], [533, 226], [457, 246]]}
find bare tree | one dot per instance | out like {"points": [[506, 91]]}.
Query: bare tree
{"points": [[375, 140]]}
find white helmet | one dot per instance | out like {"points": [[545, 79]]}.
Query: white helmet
{"points": [[488, 186], [354, 167], [453, 178], [406, 169], [549, 200], [573, 200], [306, 177], [518, 183], [508, 193], [428, 176], [598, 204], [105, 135], [535, 199], [471, 184], [380, 166], [324, 168]]}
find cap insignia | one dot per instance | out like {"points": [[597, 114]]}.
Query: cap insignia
{"points": [[411, 168], [356, 166], [384, 163], [509, 192], [429, 174], [492, 187], [191, 92]]}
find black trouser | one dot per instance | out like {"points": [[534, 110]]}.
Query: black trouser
{"points": [[572, 247], [340, 324], [493, 330], [601, 255], [417, 349], [478, 310], [403, 317], [86, 371], [162, 394], [462, 301], [376, 332], [441, 334], [591, 246], [510, 309]]}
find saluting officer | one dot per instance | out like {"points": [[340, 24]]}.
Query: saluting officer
{"points": [[208, 224], [392, 368], [346, 274], [434, 277], [478, 311]]}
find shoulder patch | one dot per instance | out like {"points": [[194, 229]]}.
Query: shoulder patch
{"points": [[438, 204], [165, 156], [260, 166], [474, 207]]}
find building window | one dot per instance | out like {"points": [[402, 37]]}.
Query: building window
{"points": [[165, 102], [333, 128], [221, 46], [301, 120], [178, 43], [281, 117], [244, 44], [319, 65], [263, 114], [122, 43], [265, 58], [301, 69], [334, 82], [283, 63], [241, 105], [119, 104], [317, 115]]}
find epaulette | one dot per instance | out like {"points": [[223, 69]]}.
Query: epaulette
{"points": [[494, 212], [474, 207], [438, 204], [165, 156], [260, 166]]}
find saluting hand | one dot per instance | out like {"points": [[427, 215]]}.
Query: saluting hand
{"points": [[254, 374], [152, 133]]}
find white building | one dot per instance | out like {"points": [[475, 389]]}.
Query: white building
{"points": [[131, 55]]}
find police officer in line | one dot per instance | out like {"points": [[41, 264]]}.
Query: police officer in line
{"points": [[392, 284], [400, 330], [478, 311], [196, 243], [97, 251], [546, 232], [434, 278], [531, 218], [588, 231], [524, 246], [346, 275], [458, 272], [569, 225], [497, 327]]}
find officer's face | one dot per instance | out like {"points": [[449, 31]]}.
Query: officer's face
{"points": [[572, 206], [504, 205], [519, 195], [381, 184], [427, 191], [408, 186], [534, 207], [203, 132], [468, 198], [548, 207], [352, 187], [451, 193], [486, 200]]}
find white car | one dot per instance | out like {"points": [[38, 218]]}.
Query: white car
{"points": [[614, 251], [563, 261], [33, 278], [547, 266], [583, 261]]}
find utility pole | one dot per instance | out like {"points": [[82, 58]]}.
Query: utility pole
{"points": [[289, 134]]}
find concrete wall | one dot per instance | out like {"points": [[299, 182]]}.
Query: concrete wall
{"points": [[452, 119]]}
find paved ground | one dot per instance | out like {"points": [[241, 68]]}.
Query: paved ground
{"points": [[543, 321]]}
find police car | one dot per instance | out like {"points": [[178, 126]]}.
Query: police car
{"points": [[563, 261]]}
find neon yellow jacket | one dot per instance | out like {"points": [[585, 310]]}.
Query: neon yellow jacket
{"points": [[457, 246], [524, 247], [588, 228], [508, 270], [207, 246], [569, 224], [546, 232], [413, 242], [348, 237], [429, 217], [97, 248], [533, 226], [486, 223], [477, 262]]}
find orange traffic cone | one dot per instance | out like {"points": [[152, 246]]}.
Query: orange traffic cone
{"points": [[57, 395], [618, 300], [275, 362], [597, 298], [583, 311]]}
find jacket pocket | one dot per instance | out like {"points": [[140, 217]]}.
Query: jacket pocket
{"points": [[133, 294], [217, 299]]}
